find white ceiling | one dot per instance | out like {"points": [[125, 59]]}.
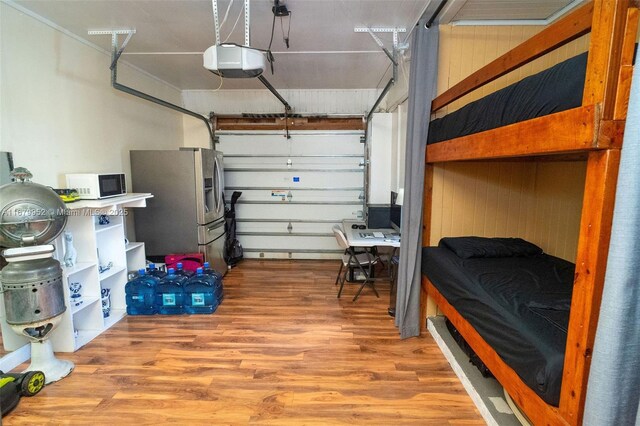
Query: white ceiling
{"points": [[324, 52], [496, 10]]}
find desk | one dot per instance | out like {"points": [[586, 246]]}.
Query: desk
{"points": [[355, 240]]}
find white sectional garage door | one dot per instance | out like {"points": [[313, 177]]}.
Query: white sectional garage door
{"points": [[293, 190]]}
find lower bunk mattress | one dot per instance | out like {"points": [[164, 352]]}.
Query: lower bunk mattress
{"points": [[518, 304]]}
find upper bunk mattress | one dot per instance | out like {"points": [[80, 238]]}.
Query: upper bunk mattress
{"points": [[519, 305], [553, 90]]}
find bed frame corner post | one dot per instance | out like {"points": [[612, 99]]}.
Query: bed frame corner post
{"points": [[606, 52], [591, 262], [426, 238], [427, 204], [613, 23]]}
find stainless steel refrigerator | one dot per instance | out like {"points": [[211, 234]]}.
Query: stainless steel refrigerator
{"points": [[186, 213]]}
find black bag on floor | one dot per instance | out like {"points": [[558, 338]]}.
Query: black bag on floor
{"points": [[233, 252], [473, 358]]}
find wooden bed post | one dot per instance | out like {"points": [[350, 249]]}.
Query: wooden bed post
{"points": [[426, 240], [608, 30], [428, 201], [605, 85], [591, 262]]}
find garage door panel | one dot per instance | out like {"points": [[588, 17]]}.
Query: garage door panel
{"points": [[306, 212], [282, 195], [293, 190], [327, 144], [286, 161], [299, 144], [279, 180], [282, 227], [289, 243]]}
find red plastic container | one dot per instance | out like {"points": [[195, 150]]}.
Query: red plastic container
{"points": [[190, 261]]}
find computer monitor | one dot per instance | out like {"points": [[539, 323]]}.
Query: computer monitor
{"points": [[395, 212]]}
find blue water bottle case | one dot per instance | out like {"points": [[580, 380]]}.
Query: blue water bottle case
{"points": [[140, 294], [199, 294], [169, 298]]}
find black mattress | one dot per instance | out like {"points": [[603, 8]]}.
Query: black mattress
{"points": [[556, 89], [519, 305]]}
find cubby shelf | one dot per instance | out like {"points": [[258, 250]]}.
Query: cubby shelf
{"points": [[114, 316], [78, 267], [94, 244], [97, 245], [86, 302], [103, 228], [111, 272], [84, 337], [133, 246]]}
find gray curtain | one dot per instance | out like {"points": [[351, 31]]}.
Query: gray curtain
{"points": [[422, 89], [613, 394]]}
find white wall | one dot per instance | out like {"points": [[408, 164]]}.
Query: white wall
{"points": [[381, 147], [196, 134], [399, 142], [262, 101], [399, 92], [395, 102], [58, 112]]}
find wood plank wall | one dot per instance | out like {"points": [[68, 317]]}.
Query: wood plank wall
{"points": [[464, 50], [540, 202]]}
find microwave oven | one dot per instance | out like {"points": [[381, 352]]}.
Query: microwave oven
{"points": [[95, 186]]}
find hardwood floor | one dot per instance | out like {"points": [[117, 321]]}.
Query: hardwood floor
{"points": [[281, 349]]}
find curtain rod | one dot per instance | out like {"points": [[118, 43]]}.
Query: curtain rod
{"points": [[435, 14]]}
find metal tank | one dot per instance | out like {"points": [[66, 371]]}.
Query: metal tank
{"points": [[33, 289], [31, 215]]}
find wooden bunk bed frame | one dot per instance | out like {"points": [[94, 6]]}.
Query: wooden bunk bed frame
{"points": [[593, 132]]}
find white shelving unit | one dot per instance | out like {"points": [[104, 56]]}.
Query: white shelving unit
{"points": [[97, 246], [135, 256]]}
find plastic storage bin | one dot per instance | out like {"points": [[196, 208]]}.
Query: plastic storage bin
{"points": [[190, 261]]}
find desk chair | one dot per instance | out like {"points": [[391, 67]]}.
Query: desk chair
{"points": [[352, 259]]}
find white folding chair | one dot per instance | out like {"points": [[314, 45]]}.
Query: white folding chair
{"points": [[351, 259]]}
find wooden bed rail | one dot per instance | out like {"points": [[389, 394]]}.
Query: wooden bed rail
{"points": [[563, 31], [538, 411]]}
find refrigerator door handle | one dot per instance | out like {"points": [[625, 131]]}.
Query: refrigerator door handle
{"points": [[217, 188], [214, 227]]}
